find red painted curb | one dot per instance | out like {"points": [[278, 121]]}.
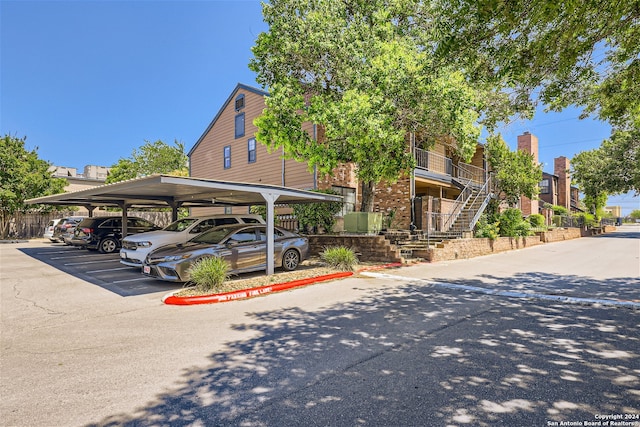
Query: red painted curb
{"points": [[381, 267], [249, 293]]}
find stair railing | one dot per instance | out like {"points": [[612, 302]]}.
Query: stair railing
{"points": [[458, 205]]}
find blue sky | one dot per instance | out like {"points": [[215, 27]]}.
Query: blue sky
{"points": [[87, 82]]}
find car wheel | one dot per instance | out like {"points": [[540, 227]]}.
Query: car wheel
{"points": [[108, 245], [290, 260]]}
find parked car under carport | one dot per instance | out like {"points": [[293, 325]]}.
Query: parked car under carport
{"points": [[243, 247]]}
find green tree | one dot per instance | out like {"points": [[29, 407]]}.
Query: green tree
{"points": [[515, 172], [151, 158], [621, 154], [635, 214], [22, 176], [362, 72], [587, 172]]}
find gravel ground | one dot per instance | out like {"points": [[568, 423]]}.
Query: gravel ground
{"points": [[307, 269]]}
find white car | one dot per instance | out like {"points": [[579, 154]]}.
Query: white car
{"points": [[48, 230], [135, 248]]}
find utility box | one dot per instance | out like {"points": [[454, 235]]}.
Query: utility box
{"points": [[363, 222]]}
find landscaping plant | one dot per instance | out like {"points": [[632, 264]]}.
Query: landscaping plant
{"points": [[486, 229], [340, 258], [209, 274], [537, 220], [312, 216], [512, 224]]}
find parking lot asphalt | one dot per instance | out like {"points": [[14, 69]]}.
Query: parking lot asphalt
{"points": [[81, 346], [104, 270]]}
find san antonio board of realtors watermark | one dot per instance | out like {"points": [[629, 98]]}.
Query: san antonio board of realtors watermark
{"points": [[607, 420]]}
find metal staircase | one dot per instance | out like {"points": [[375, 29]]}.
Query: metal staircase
{"points": [[460, 220], [476, 197]]}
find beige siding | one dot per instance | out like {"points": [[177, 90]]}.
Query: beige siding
{"points": [[207, 160]]}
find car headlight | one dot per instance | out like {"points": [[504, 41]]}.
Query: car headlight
{"points": [[144, 244], [170, 258]]}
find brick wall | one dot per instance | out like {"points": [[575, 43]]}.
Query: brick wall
{"points": [[394, 197], [528, 143], [561, 170]]}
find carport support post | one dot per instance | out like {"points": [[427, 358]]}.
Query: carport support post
{"points": [[270, 198], [174, 210], [125, 221]]}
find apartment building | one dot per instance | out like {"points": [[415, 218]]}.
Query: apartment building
{"points": [[228, 150]]}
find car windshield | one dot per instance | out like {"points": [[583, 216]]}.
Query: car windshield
{"points": [[213, 236], [180, 225]]}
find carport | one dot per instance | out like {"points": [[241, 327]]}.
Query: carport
{"points": [[162, 191]]}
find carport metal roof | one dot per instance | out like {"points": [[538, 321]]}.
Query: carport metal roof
{"points": [[166, 190], [158, 191]]}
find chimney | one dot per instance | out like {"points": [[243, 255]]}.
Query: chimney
{"points": [[529, 144], [561, 170]]}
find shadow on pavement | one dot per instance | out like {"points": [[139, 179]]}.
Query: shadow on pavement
{"points": [[103, 270], [620, 288], [414, 356]]}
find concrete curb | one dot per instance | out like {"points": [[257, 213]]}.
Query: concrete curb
{"points": [[171, 299]]}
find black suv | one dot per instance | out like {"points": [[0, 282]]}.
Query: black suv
{"points": [[105, 233]]}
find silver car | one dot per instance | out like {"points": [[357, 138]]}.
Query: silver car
{"points": [[244, 247]]}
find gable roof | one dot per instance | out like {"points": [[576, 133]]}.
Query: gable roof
{"points": [[224, 105]]}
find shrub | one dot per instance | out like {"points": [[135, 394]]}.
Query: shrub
{"points": [[559, 210], [536, 220], [209, 273], [339, 257], [317, 215], [512, 225], [586, 219], [523, 228], [485, 229]]}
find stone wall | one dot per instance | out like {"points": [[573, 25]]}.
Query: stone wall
{"points": [[369, 248], [473, 247], [559, 234]]}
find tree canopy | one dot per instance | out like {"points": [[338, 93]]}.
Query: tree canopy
{"points": [[370, 73], [571, 52], [360, 71], [151, 158], [22, 176]]}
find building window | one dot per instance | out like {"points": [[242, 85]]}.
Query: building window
{"points": [[240, 102], [251, 149], [348, 201], [227, 157], [544, 186], [239, 125]]}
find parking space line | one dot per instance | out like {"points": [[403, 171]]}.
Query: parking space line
{"points": [[75, 256], [64, 251], [134, 280], [92, 262], [107, 269]]}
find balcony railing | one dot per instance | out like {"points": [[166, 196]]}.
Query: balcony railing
{"points": [[434, 162]]}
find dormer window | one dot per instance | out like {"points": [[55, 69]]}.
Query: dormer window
{"points": [[240, 102]]}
